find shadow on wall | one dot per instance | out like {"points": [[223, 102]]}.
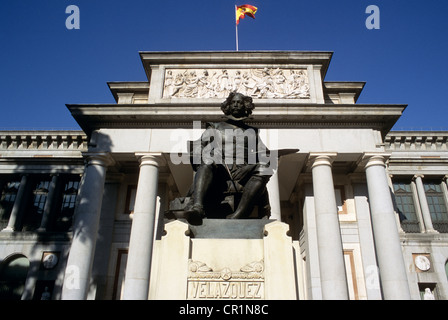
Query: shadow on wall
{"points": [[20, 277]]}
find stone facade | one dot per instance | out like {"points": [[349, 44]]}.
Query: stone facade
{"points": [[359, 212]]}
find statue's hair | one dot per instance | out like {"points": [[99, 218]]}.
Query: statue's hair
{"points": [[248, 104]]}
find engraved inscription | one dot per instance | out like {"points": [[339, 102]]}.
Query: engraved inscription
{"points": [[225, 290], [264, 83], [205, 283]]}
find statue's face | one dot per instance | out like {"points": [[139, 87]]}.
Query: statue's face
{"points": [[237, 107]]}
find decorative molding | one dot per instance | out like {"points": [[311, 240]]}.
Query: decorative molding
{"points": [[268, 124], [200, 271], [422, 262], [416, 141], [43, 141]]}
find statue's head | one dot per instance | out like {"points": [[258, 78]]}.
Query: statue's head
{"points": [[237, 106]]}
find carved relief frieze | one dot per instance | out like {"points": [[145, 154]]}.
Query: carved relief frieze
{"points": [[261, 83], [199, 270]]}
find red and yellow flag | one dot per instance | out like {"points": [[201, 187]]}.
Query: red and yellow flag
{"points": [[245, 10]]}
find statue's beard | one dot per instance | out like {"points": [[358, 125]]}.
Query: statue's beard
{"points": [[238, 113]]}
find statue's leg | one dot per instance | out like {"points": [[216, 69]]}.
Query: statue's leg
{"points": [[202, 183], [252, 190]]}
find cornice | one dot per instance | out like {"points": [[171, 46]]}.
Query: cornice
{"points": [[43, 140], [95, 116], [417, 141], [149, 58]]}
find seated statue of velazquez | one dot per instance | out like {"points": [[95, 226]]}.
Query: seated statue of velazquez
{"points": [[232, 167]]}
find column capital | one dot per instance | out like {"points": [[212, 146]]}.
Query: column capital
{"points": [[374, 159], [321, 158], [150, 158], [103, 159], [419, 175]]}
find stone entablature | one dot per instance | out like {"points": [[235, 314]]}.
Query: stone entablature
{"points": [[43, 141], [416, 141], [288, 88]]}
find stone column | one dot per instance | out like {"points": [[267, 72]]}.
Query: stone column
{"points": [[274, 197], [393, 276], [418, 208], [49, 203], [18, 205], [105, 237], [445, 187], [138, 268], [331, 255], [397, 217], [426, 214], [85, 228]]}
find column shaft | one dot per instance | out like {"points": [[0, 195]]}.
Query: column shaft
{"points": [[387, 241], [331, 255], [18, 205], [138, 268], [426, 214], [49, 203], [85, 229]]}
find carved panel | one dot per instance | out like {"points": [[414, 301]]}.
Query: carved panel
{"points": [[263, 83]]}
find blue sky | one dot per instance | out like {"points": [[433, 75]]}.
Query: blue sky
{"points": [[44, 66]]}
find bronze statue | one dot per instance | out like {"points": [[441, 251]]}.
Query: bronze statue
{"points": [[232, 167]]}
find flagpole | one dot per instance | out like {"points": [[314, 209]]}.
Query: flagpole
{"points": [[236, 29]]}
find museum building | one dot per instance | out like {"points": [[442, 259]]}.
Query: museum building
{"points": [[357, 211]]}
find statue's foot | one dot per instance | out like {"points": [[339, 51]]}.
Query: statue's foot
{"points": [[234, 216], [195, 214]]}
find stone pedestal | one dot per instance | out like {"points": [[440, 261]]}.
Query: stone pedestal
{"points": [[224, 259]]}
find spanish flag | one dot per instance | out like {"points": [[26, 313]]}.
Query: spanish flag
{"points": [[245, 10]]}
